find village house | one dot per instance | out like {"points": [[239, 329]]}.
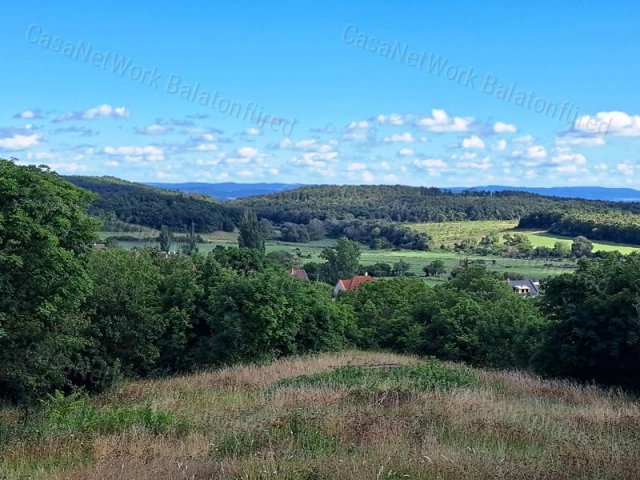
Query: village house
{"points": [[352, 283], [300, 274], [526, 287]]}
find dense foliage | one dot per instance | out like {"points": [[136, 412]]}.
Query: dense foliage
{"points": [[153, 207], [595, 315], [44, 237], [399, 203]]}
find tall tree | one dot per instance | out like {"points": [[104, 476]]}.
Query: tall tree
{"points": [[44, 236], [165, 239], [190, 246], [251, 233], [582, 247], [343, 260]]}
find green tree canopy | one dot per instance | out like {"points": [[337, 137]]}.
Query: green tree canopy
{"points": [[44, 236]]}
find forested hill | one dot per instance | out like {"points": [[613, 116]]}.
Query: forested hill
{"points": [[153, 207], [412, 204]]}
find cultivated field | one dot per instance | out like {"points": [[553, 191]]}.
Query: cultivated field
{"points": [[448, 233], [351, 415]]}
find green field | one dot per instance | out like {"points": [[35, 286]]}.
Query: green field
{"points": [[448, 233], [310, 252], [544, 239]]}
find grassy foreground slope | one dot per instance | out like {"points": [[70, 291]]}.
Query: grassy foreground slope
{"points": [[349, 415]]}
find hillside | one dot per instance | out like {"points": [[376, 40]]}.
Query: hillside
{"points": [[412, 204], [144, 205], [586, 193], [349, 415]]}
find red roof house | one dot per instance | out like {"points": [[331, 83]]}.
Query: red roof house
{"points": [[351, 283], [300, 274]]}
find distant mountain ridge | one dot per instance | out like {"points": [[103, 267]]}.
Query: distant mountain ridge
{"points": [[587, 193], [228, 190], [231, 190]]}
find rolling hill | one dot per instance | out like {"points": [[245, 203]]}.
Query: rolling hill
{"points": [[153, 207]]}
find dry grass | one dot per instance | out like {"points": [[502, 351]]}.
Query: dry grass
{"points": [[507, 425]]}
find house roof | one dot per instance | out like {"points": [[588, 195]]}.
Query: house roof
{"points": [[299, 273], [354, 282], [527, 283]]}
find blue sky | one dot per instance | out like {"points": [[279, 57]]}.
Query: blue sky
{"points": [[423, 93]]}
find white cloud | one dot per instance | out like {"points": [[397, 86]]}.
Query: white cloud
{"points": [[473, 141], [206, 147], [105, 110], [356, 166], [29, 115], [433, 166], [368, 177], [501, 127], [406, 137], [358, 124], [484, 164], [406, 152], [390, 178], [248, 152], [500, 145], [617, 123], [536, 152], [154, 129], [570, 140], [441, 122], [394, 119], [355, 136], [19, 142], [626, 168], [253, 131], [569, 158], [135, 154]]}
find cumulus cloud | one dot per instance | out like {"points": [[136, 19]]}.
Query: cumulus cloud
{"points": [[441, 122], [406, 152], [536, 152], [153, 129], [501, 127], [34, 114], [105, 111], [253, 132], [406, 137], [135, 154], [473, 141], [569, 158], [19, 142], [358, 125], [395, 119], [500, 145], [433, 166], [626, 168], [356, 167], [248, 152], [616, 123], [573, 140], [484, 164]]}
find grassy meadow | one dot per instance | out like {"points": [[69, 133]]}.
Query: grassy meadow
{"points": [[448, 233], [352, 415]]}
